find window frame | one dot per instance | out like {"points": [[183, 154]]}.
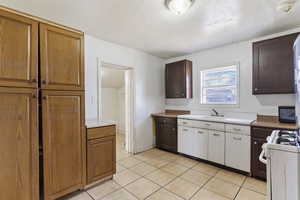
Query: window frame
{"points": [[216, 69]]}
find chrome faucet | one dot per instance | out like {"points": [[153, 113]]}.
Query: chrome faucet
{"points": [[216, 113]]}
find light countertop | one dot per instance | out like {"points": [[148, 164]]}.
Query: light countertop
{"points": [[225, 120], [98, 123]]}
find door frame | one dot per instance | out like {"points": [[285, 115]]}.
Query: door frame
{"points": [[130, 144]]}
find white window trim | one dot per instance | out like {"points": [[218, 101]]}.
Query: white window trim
{"points": [[237, 64]]}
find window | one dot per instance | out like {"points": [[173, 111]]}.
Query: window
{"points": [[220, 85]]}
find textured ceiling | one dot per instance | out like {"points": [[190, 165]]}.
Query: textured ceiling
{"points": [[148, 26]]}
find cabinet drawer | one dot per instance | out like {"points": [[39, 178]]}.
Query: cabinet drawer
{"points": [[93, 133], [201, 124], [166, 120], [211, 126], [263, 133], [243, 130], [186, 122]]}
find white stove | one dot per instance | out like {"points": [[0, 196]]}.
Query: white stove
{"points": [[281, 154]]}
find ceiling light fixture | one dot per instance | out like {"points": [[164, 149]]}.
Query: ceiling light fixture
{"points": [[286, 5], [179, 6]]}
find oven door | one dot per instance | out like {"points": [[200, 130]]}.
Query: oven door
{"points": [[283, 172]]}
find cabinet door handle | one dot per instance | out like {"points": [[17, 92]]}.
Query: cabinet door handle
{"points": [[255, 143], [237, 129], [185, 130], [237, 138], [43, 82], [33, 80], [215, 134], [173, 129], [255, 89], [201, 132], [207, 124], [184, 122]]}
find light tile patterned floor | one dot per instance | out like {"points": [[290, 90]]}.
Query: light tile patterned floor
{"points": [[159, 175]]}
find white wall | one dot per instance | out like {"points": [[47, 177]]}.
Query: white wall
{"points": [[110, 104], [218, 57], [149, 93], [121, 110]]}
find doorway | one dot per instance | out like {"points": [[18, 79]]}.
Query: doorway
{"points": [[116, 103]]}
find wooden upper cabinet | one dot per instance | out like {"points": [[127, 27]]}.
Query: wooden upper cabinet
{"points": [[179, 79], [273, 70], [18, 51], [64, 142], [62, 59], [19, 175]]}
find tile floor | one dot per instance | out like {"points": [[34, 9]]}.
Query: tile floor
{"points": [[159, 175]]}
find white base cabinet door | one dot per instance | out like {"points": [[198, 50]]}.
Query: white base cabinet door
{"points": [[200, 143], [185, 139], [238, 151], [216, 147]]}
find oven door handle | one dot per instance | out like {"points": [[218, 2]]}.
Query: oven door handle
{"points": [[262, 155]]}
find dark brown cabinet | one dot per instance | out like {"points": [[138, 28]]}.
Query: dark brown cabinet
{"points": [[101, 153], [273, 65], [166, 133], [179, 79], [258, 138]]}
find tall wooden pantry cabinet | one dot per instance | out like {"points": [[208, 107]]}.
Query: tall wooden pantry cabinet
{"points": [[42, 108]]}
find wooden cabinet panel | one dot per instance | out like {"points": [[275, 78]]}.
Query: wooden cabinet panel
{"points": [[101, 158], [166, 134], [19, 175], [99, 132], [64, 142], [273, 70], [62, 64], [19, 51], [178, 78]]}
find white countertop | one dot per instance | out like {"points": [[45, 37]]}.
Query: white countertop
{"points": [[217, 119], [97, 123]]}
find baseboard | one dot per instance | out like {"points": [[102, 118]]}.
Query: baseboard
{"points": [[142, 149]]}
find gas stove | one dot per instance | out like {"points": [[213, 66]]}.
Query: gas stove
{"points": [[284, 140], [281, 154], [288, 138]]}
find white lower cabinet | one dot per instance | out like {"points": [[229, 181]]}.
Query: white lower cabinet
{"points": [[200, 143], [216, 147], [238, 151], [185, 139], [225, 144]]}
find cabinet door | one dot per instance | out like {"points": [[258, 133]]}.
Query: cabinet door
{"points": [[178, 77], [19, 51], [186, 140], [200, 143], [19, 144], [273, 70], [166, 136], [64, 142], [216, 147], [101, 158], [258, 169], [238, 151], [62, 64]]}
